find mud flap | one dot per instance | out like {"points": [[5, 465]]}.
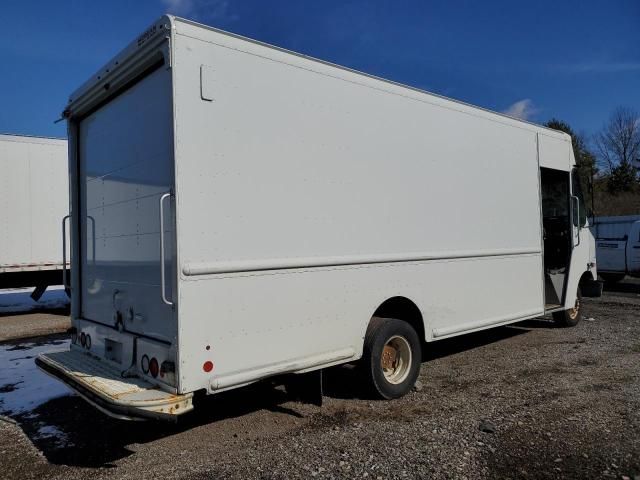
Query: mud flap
{"points": [[306, 387], [591, 288]]}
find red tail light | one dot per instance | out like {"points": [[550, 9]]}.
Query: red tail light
{"points": [[154, 367]]}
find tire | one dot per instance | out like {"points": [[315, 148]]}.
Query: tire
{"points": [[612, 277], [571, 317], [399, 344]]}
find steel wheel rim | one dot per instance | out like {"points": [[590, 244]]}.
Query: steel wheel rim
{"points": [[396, 359], [573, 313]]}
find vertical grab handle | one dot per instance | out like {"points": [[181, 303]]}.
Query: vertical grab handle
{"points": [[575, 221], [93, 239], [162, 273], [65, 284]]}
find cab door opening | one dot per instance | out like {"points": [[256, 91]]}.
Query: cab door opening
{"points": [[557, 234]]}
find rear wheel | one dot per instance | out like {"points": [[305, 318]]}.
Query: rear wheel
{"points": [[391, 357], [571, 317]]}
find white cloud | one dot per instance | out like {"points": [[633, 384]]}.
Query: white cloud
{"points": [[201, 10], [522, 109], [180, 7]]}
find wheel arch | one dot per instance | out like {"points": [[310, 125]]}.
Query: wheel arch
{"points": [[586, 276], [405, 309]]}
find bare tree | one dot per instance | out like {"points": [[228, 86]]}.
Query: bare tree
{"points": [[618, 146], [619, 141]]}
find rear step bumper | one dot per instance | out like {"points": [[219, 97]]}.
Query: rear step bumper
{"points": [[103, 386]]}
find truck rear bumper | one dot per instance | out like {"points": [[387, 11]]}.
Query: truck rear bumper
{"points": [[103, 387]]}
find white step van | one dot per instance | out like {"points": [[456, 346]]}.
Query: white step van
{"points": [[240, 211]]}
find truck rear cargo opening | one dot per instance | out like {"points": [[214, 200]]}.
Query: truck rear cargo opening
{"points": [[240, 212]]}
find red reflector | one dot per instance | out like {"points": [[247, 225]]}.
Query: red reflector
{"points": [[208, 366], [153, 367]]}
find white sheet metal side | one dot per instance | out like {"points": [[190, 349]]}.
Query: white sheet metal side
{"points": [[555, 152], [34, 197], [248, 45], [290, 162]]}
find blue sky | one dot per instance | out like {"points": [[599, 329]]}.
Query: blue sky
{"points": [[575, 60]]}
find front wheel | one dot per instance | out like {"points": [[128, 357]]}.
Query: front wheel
{"points": [[391, 357], [571, 317]]}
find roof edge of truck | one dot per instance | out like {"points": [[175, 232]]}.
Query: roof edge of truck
{"points": [[109, 69], [132, 48], [19, 137], [368, 75]]}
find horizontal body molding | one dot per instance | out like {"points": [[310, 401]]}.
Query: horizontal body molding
{"points": [[490, 322], [212, 268]]}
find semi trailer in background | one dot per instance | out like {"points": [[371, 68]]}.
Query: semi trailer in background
{"points": [[240, 211], [34, 197], [617, 246]]}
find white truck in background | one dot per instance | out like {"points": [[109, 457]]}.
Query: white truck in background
{"points": [[34, 197], [241, 212], [617, 246]]}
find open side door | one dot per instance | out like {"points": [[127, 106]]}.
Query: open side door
{"points": [[559, 234]]}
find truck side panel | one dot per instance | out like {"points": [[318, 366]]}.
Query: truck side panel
{"points": [[286, 163]]}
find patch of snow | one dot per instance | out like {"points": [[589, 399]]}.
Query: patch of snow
{"points": [[18, 300], [23, 387]]}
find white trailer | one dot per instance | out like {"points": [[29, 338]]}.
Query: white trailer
{"points": [[34, 196], [240, 211], [617, 246]]}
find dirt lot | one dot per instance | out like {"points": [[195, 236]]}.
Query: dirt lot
{"points": [[563, 403], [21, 317]]}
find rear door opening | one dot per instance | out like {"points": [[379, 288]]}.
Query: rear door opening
{"points": [[125, 150]]}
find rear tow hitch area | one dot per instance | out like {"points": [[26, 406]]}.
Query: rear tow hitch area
{"points": [[104, 387]]}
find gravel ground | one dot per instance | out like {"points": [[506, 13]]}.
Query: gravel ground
{"points": [[25, 325], [21, 317], [555, 403]]}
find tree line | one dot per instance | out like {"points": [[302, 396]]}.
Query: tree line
{"points": [[609, 162]]}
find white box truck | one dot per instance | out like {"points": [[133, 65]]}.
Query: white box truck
{"points": [[617, 246], [240, 212], [34, 196]]}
